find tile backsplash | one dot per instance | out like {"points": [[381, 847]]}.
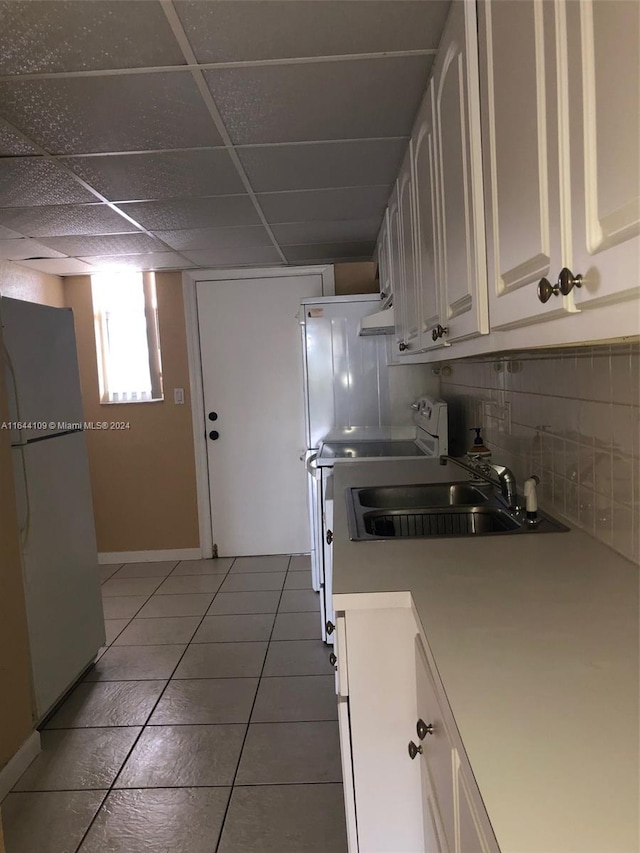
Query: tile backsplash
{"points": [[571, 416]]}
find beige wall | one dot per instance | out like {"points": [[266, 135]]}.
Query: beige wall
{"points": [[143, 478], [357, 277], [23, 283]]}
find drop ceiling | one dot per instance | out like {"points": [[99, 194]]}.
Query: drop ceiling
{"points": [[138, 134]]}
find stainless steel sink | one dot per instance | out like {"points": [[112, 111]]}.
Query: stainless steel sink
{"points": [[431, 495], [437, 510]]}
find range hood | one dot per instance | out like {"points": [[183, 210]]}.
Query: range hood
{"points": [[380, 323]]}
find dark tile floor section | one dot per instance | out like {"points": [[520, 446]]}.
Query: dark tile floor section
{"points": [[208, 724]]}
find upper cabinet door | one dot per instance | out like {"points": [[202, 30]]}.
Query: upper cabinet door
{"points": [[382, 256], [463, 270], [408, 304], [396, 268], [604, 93], [428, 244], [526, 193]]}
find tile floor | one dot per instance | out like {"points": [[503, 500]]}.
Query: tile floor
{"points": [[208, 724]]}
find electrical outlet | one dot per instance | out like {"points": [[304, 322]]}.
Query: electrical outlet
{"points": [[178, 396]]}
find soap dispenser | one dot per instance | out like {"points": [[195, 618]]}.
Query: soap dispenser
{"points": [[478, 452]]}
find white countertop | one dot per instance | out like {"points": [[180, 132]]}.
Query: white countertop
{"points": [[536, 642]]}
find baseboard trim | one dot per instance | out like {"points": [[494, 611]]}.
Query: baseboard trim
{"points": [[108, 558], [16, 766]]}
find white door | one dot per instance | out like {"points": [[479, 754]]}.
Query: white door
{"points": [[252, 382]]}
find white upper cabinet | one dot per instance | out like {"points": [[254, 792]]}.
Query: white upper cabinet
{"points": [[409, 315], [604, 102], [396, 269], [383, 259], [462, 270], [561, 136], [427, 261], [524, 194]]}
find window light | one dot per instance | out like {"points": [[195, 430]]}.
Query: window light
{"points": [[127, 339]]}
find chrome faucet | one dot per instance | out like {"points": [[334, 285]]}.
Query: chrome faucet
{"points": [[497, 475]]}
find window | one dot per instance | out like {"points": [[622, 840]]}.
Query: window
{"points": [[127, 339]]}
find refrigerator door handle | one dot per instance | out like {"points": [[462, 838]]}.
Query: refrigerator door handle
{"points": [[311, 468]]}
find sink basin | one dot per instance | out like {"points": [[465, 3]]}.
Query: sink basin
{"points": [[437, 509], [412, 497], [470, 521]]}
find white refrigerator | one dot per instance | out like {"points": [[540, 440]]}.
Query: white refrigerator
{"points": [[53, 497], [346, 387]]}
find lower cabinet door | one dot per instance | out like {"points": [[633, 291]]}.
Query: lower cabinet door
{"points": [[344, 725]]}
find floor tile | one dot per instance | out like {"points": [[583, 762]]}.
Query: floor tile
{"points": [[122, 606], [52, 822], [130, 586], [276, 563], [203, 567], [248, 581], [183, 756], [147, 570], [293, 698], [103, 704], [222, 660], [180, 820], [300, 563], [245, 602], [113, 627], [298, 657], [186, 584], [107, 571], [299, 601], [286, 753], [297, 626], [136, 663], [206, 700], [78, 758], [228, 629], [285, 819], [196, 604], [157, 632], [298, 580]]}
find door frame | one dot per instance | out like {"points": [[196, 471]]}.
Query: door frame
{"points": [[190, 279]]}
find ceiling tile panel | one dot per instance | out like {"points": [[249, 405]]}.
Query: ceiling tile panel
{"points": [[8, 233], [232, 31], [60, 266], [24, 247], [151, 261], [11, 144], [339, 230], [320, 100], [53, 35], [174, 215], [172, 174], [234, 257], [129, 112], [108, 244], [216, 238], [323, 164], [60, 220], [329, 252], [323, 205], [33, 180]]}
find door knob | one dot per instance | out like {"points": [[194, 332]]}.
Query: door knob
{"points": [[330, 627], [438, 332], [423, 729], [546, 290], [214, 435], [213, 416], [333, 660], [402, 346], [567, 281], [329, 537], [414, 750]]}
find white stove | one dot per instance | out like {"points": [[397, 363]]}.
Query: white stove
{"points": [[428, 437]]}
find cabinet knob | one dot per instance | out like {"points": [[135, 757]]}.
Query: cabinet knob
{"points": [[214, 435], [414, 750], [439, 331], [567, 281], [333, 660], [402, 346], [329, 537], [546, 290], [330, 627], [423, 729]]}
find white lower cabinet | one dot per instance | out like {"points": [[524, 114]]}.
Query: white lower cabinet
{"points": [[392, 706]]}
